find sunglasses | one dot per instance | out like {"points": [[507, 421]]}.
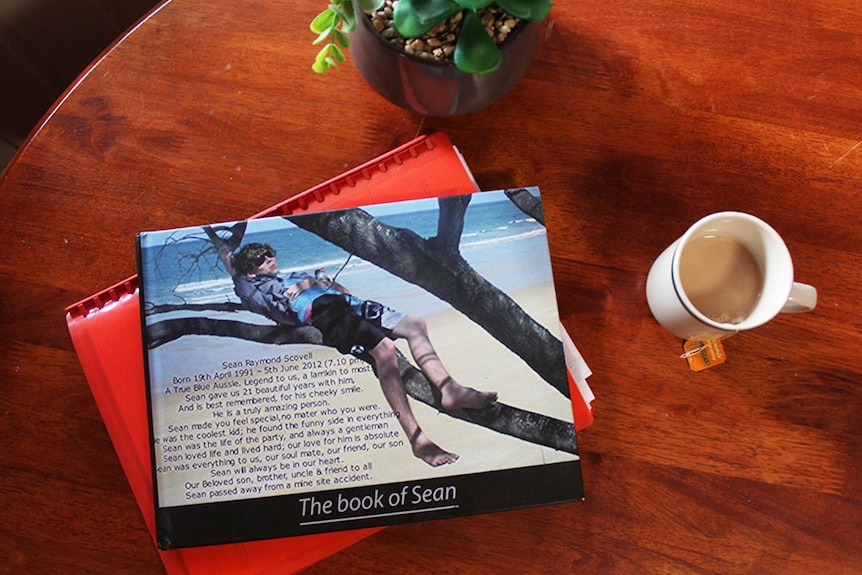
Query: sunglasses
{"points": [[261, 257]]}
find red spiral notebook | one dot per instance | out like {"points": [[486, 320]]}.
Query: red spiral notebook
{"points": [[106, 331]]}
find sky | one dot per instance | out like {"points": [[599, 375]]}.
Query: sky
{"points": [[273, 223]]}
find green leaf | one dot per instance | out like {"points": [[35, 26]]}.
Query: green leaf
{"points": [[347, 16], [474, 4], [529, 10], [337, 53], [324, 36], [412, 18], [433, 10], [340, 38], [370, 5], [321, 55], [321, 65], [323, 21], [476, 52]]}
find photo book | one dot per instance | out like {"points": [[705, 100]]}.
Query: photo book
{"points": [[354, 368]]}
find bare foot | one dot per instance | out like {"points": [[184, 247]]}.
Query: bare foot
{"points": [[456, 396], [430, 452]]}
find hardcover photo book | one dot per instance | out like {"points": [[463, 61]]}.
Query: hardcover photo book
{"points": [[354, 368]]}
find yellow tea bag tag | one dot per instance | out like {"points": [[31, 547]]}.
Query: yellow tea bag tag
{"points": [[703, 354]]}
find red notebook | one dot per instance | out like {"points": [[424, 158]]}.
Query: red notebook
{"points": [[106, 332]]}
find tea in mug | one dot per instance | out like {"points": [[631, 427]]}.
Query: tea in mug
{"points": [[721, 278]]}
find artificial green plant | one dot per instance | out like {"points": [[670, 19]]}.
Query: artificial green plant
{"points": [[476, 52]]}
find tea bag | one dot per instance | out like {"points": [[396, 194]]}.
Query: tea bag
{"points": [[703, 354]]}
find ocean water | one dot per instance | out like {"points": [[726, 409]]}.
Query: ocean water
{"points": [[503, 244]]}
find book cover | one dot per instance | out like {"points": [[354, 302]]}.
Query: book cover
{"points": [[105, 329], [354, 368]]}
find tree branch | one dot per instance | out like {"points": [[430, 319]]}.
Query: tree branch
{"points": [[527, 203], [161, 332], [518, 423], [227, 306], [521, 424], [448, 276]]}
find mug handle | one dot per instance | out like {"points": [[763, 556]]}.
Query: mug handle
{"points": [[803, 297]]}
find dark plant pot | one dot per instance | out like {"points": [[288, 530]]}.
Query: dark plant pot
{"points": [[435, 88]]}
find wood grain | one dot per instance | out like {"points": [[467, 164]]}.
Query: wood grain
{"points": [[636, 118], [44, 45]]}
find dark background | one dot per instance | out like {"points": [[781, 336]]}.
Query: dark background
{"points": [[44, 46]]}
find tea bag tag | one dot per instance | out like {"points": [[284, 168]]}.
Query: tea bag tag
{"points": [[702, 354]]}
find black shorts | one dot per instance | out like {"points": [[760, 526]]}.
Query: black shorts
{"points": [[349, 332]]}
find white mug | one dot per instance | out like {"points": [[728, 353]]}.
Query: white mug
{"points": [[728, 272]]}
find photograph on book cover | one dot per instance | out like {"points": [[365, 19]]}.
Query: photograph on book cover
{"points": [[353, 368]]}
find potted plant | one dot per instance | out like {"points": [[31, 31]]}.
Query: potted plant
{"points": [[435, 57]]}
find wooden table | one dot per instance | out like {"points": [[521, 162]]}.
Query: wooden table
{"points": [[636, 118]]}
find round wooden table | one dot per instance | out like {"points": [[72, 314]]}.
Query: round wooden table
{"points": [[635, 119]]}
